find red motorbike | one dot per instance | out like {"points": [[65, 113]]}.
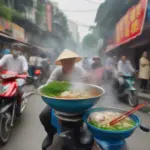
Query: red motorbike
{"points": [[12, 102]]}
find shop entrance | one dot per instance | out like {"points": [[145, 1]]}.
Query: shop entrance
{"points": [[138, 54]]}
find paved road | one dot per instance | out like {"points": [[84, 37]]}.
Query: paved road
{"points": [[28, 133]]}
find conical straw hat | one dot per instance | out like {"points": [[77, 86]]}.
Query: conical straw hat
{"points": [[67, 54]]}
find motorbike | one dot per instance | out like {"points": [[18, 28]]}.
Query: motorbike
{"points": [[126, 90], [109, 72], [37, 77], [12, 102]]}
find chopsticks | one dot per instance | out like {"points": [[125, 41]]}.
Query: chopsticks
{"points": [[126, 114]]}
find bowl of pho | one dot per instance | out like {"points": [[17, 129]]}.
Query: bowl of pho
{"points": [[70, 97], [98, 119]]}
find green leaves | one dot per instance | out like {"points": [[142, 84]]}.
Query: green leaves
{"points": [[55, 88], [89, 41], [7, 13], [115, 127]]}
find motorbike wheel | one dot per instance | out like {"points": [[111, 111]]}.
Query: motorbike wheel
{"points": [[5, 129], [132, 98], [20, 107], [37, 83]]}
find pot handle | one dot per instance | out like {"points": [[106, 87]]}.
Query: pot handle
{"points": [[145, 129]]}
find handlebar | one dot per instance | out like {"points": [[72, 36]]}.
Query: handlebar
{"points": [[145, 129], [7, 75], [127, 77]]}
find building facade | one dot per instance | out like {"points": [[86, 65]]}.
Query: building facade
{"points": [[73, 28]]}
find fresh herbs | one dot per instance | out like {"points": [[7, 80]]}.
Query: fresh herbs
{"points": [[115, 127], [55, 88]]}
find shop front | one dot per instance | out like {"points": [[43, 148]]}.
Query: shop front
{"points": [[12, 30], [18, 33], [131, 34]]}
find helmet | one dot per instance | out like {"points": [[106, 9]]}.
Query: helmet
{"points": [[96, 58], [5, 52]]}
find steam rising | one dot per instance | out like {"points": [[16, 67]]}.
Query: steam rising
{"points": [[78, 87]]}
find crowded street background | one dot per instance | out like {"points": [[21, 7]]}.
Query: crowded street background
{"points": [[99, 43]]}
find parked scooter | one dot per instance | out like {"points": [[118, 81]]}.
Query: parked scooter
{"points": [[12, 103], [126, 90]]}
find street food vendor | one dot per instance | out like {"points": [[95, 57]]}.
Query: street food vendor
{"points": [[66, 71]]}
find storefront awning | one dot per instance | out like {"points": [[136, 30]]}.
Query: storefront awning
{"points": [[6, 36], [130, 26], [42, 49]]}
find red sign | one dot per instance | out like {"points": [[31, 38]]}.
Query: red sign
{"points": [[49, 16], [130, 25]]}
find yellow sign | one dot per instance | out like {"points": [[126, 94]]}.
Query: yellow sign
{"points": [[1, 25], [1, 28], [18, 32]]}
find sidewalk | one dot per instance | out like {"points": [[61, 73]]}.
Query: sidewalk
{"points": [[144, 95], [141, 94]]}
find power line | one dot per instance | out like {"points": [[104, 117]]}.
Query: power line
{"points": [[81, 24], [85, 26], [79, 10], [92, 2]]}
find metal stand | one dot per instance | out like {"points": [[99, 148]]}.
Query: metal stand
{"points": [[104, 145]]}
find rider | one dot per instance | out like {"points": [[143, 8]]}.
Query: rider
{"points": [[97, 62], [16, 63], [125, 68], [67, 71], [110, 67]]}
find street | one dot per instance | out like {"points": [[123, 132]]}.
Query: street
{"points": [[28, 132]]}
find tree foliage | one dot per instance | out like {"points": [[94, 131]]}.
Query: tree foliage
{"points": [[8, 13], [89, 41], [40, 9], [21, 4]]}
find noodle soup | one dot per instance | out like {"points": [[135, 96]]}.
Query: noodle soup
{"points": [[102, 119], [66, 90]]}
